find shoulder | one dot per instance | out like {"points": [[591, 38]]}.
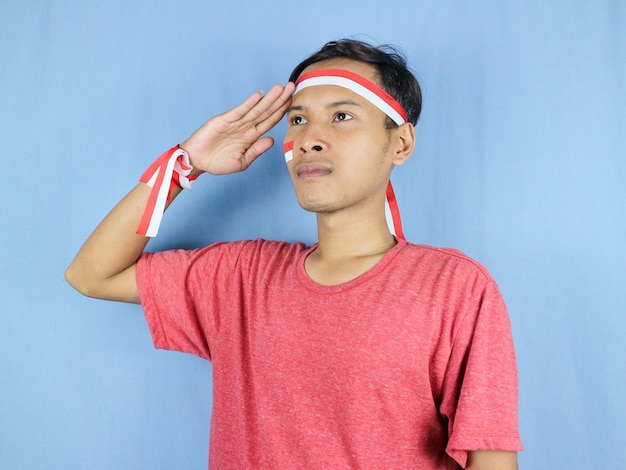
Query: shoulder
{"points": [[227, 254], [260, 249], [269, 247], [444, 260]]}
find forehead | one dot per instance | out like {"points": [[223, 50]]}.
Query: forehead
{"points": [[333, 93], [365, 70]]}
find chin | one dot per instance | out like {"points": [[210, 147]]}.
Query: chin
{"points": [[318, 207]]}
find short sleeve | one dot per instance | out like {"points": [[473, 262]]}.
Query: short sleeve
{"points": [[176, 289], [481, 389]]}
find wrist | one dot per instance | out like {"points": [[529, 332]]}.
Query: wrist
{"points": [[166, 174], [195, 171]]}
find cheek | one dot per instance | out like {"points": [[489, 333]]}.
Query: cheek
{"points": [[292, 132]]}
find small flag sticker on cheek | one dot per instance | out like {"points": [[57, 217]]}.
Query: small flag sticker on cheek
{"points": [[288, 149]]}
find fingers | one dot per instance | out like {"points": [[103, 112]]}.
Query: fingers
{"points": [[239, 111], [255, 150], [275, 112], [258, 109]]}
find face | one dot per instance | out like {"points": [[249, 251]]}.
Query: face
{"points": [[342, 153]]}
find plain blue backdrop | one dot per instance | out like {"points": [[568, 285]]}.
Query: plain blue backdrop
{"points": [[520, 162]]}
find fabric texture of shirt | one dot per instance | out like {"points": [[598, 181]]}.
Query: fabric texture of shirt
{"points": [[410, 365]]}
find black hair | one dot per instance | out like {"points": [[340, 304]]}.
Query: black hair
{"points": [[395, 76]]}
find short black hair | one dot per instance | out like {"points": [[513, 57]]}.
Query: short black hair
{"points": [[391, 65]]}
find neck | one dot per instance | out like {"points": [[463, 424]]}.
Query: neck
{"points": [[347, 248], [339, 238]]}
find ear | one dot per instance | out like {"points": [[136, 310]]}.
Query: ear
{"points": [[404, 137]]}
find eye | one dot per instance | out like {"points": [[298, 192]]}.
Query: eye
{"points": [[297, 120], [341, 116]]}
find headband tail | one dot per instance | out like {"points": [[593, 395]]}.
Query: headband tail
{"points": [[393, 213]]}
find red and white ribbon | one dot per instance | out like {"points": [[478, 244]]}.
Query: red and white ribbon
{"points": [[392, 213], [357, 84], [379, 98], [288, 149], [169, 170]]}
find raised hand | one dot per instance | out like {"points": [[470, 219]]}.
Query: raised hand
{"points": [[231, 141]]}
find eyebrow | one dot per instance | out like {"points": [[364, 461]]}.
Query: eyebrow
{"points": [[334, 104]]}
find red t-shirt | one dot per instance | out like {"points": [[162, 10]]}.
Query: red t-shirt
{"points": [[410, 365]]}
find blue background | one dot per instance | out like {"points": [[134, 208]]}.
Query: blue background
{"points": [[520, 162]]}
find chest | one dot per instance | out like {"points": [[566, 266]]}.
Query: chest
{"points": [[349, 343]]}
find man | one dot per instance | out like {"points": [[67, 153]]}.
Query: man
{"points": [[362, 351]]}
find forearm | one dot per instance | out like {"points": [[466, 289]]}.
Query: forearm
{"points": [[105, 265]]}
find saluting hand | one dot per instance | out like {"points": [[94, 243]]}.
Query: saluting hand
{"points": [[231, 141]]}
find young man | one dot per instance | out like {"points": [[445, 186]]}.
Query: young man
{"points": [[362, 351]]}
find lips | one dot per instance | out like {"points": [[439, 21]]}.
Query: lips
{"points": [[312, 170]]}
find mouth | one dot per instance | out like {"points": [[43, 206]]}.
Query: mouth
{"points": [[312, 170]]}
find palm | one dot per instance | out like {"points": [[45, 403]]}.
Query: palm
{"points": [[231, 141]]}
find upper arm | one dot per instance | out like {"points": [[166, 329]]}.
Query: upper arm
{"points": [[491, 460], [122, 287]]}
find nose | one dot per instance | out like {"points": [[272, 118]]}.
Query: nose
{"points": [[311, 141]]}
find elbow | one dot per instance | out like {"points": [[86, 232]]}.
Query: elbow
{"points": [[78, 281], [72, 278]]}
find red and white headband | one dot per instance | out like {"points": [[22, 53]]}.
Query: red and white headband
{"points": [[357, 84], [375, 95]]}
